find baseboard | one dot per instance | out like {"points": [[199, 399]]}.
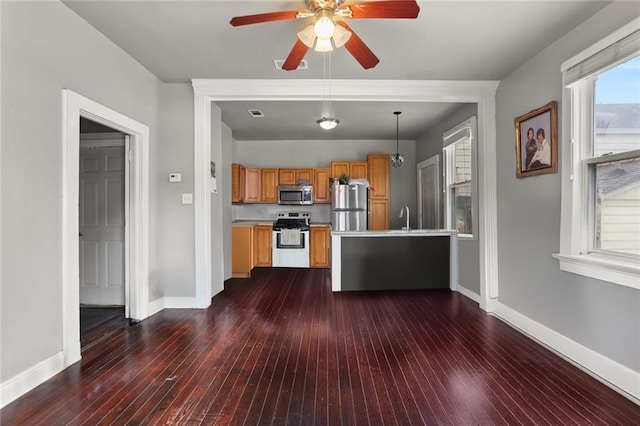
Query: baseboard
{"points": [[468, 293], [18, 385], [618, 377], [171, 303]]}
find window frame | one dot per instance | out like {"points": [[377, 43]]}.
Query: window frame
{"points": [[466, 129], [577, 254]]}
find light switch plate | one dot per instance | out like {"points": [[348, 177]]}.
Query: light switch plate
{"points": [[175, 177], [187, 198]]}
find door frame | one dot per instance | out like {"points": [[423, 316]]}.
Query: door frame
{"points": [[421, 165], [208, 117], [136, 214]]}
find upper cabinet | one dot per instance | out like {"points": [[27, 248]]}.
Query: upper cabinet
{"points": [[353, 169], [253, 185], [294, 176], [237, 183], [378, 175], [269, 189], [321, 186]]}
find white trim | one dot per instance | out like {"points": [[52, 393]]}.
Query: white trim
{"points": [[595, 48], [435, 160], [480, 92], [602, 268], [137, 234], [22, 383], [466, 129], [171, 303], [618, 377], [577, 219], [468, 293], [202, 198]]}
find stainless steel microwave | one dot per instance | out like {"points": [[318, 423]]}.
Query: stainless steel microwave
{"points": [[295, 195]]}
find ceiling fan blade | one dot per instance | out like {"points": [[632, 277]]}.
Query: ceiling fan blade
{"points": [[263, 17], [359, 50], [408, 9], [295, 56]]}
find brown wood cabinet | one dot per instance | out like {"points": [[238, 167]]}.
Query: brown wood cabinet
{"points": [[353, 169], [358, 170], [378, 168], [252, 186], [338, 168], [321, 186], [237, 182], [378, 214], [319, 247], [262, 245], [269, 188], [241, 251], [286, 176], [306, 174], [293, 176]]}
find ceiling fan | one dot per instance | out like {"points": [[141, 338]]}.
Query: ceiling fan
{"points": [[330, 29]]}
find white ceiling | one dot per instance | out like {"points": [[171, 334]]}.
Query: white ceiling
{"points": [[451, 40]]}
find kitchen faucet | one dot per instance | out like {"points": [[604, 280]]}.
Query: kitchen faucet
{"points": [[401, 213]]}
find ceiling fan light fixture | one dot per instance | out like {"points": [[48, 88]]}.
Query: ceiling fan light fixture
{"points": [[308, 36], [328, 123], [340, 36], [323, 45], [324, 27]]}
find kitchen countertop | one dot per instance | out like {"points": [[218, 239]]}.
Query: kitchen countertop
{"points": [[395, 233], [251, 222]]}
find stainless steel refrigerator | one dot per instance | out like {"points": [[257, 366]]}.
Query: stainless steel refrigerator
{"points": [[349, 207]]}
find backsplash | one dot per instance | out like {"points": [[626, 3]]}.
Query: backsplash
{"points": [[319, 212]]}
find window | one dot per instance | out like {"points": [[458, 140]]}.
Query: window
{"points": [[600, 228], [460, 185]]}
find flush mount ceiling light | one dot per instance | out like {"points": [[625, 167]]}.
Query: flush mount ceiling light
{"points": [[397, 159], [328, 123]]}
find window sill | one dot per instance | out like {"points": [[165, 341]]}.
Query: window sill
{"points": [[601, 267]]}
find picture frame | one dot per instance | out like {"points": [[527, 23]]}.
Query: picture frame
{"points": [[537, 153]]}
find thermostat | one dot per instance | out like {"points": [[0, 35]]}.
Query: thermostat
{"points": [[175, 177]]}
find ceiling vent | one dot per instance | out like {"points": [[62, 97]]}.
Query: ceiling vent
{"points": [[301, 66], [255, 113]]}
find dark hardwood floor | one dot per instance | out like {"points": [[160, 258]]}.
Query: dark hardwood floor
{"points": [[280, 348]]}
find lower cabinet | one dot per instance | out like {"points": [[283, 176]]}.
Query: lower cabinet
{"points": [[262, 235], [241, 251], [320, 247]]}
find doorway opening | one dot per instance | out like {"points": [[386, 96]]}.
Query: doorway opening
{"points": [[102, 210], [136, 215], [429, 210]]}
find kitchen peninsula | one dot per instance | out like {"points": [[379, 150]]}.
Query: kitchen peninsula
{"points": [[394, 260]]}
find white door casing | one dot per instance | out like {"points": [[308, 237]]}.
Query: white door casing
{"points": [[482, 93], [102, 224], [429, 193], [136, 216]]}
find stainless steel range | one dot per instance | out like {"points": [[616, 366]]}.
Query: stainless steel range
{"points": [[291, 240]]}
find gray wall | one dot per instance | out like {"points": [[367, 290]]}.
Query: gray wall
{"points": [[45, 48], [599, 315], [429, 145], [175, 233], [320, 153]]}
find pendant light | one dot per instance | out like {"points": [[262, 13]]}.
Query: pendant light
{"points": [[397, 159], [327, 122]]}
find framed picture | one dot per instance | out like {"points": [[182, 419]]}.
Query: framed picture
{"points": [[537, 142]]}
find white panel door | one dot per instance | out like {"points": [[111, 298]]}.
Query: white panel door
{"points": [[429, 193], [102, 198]]}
